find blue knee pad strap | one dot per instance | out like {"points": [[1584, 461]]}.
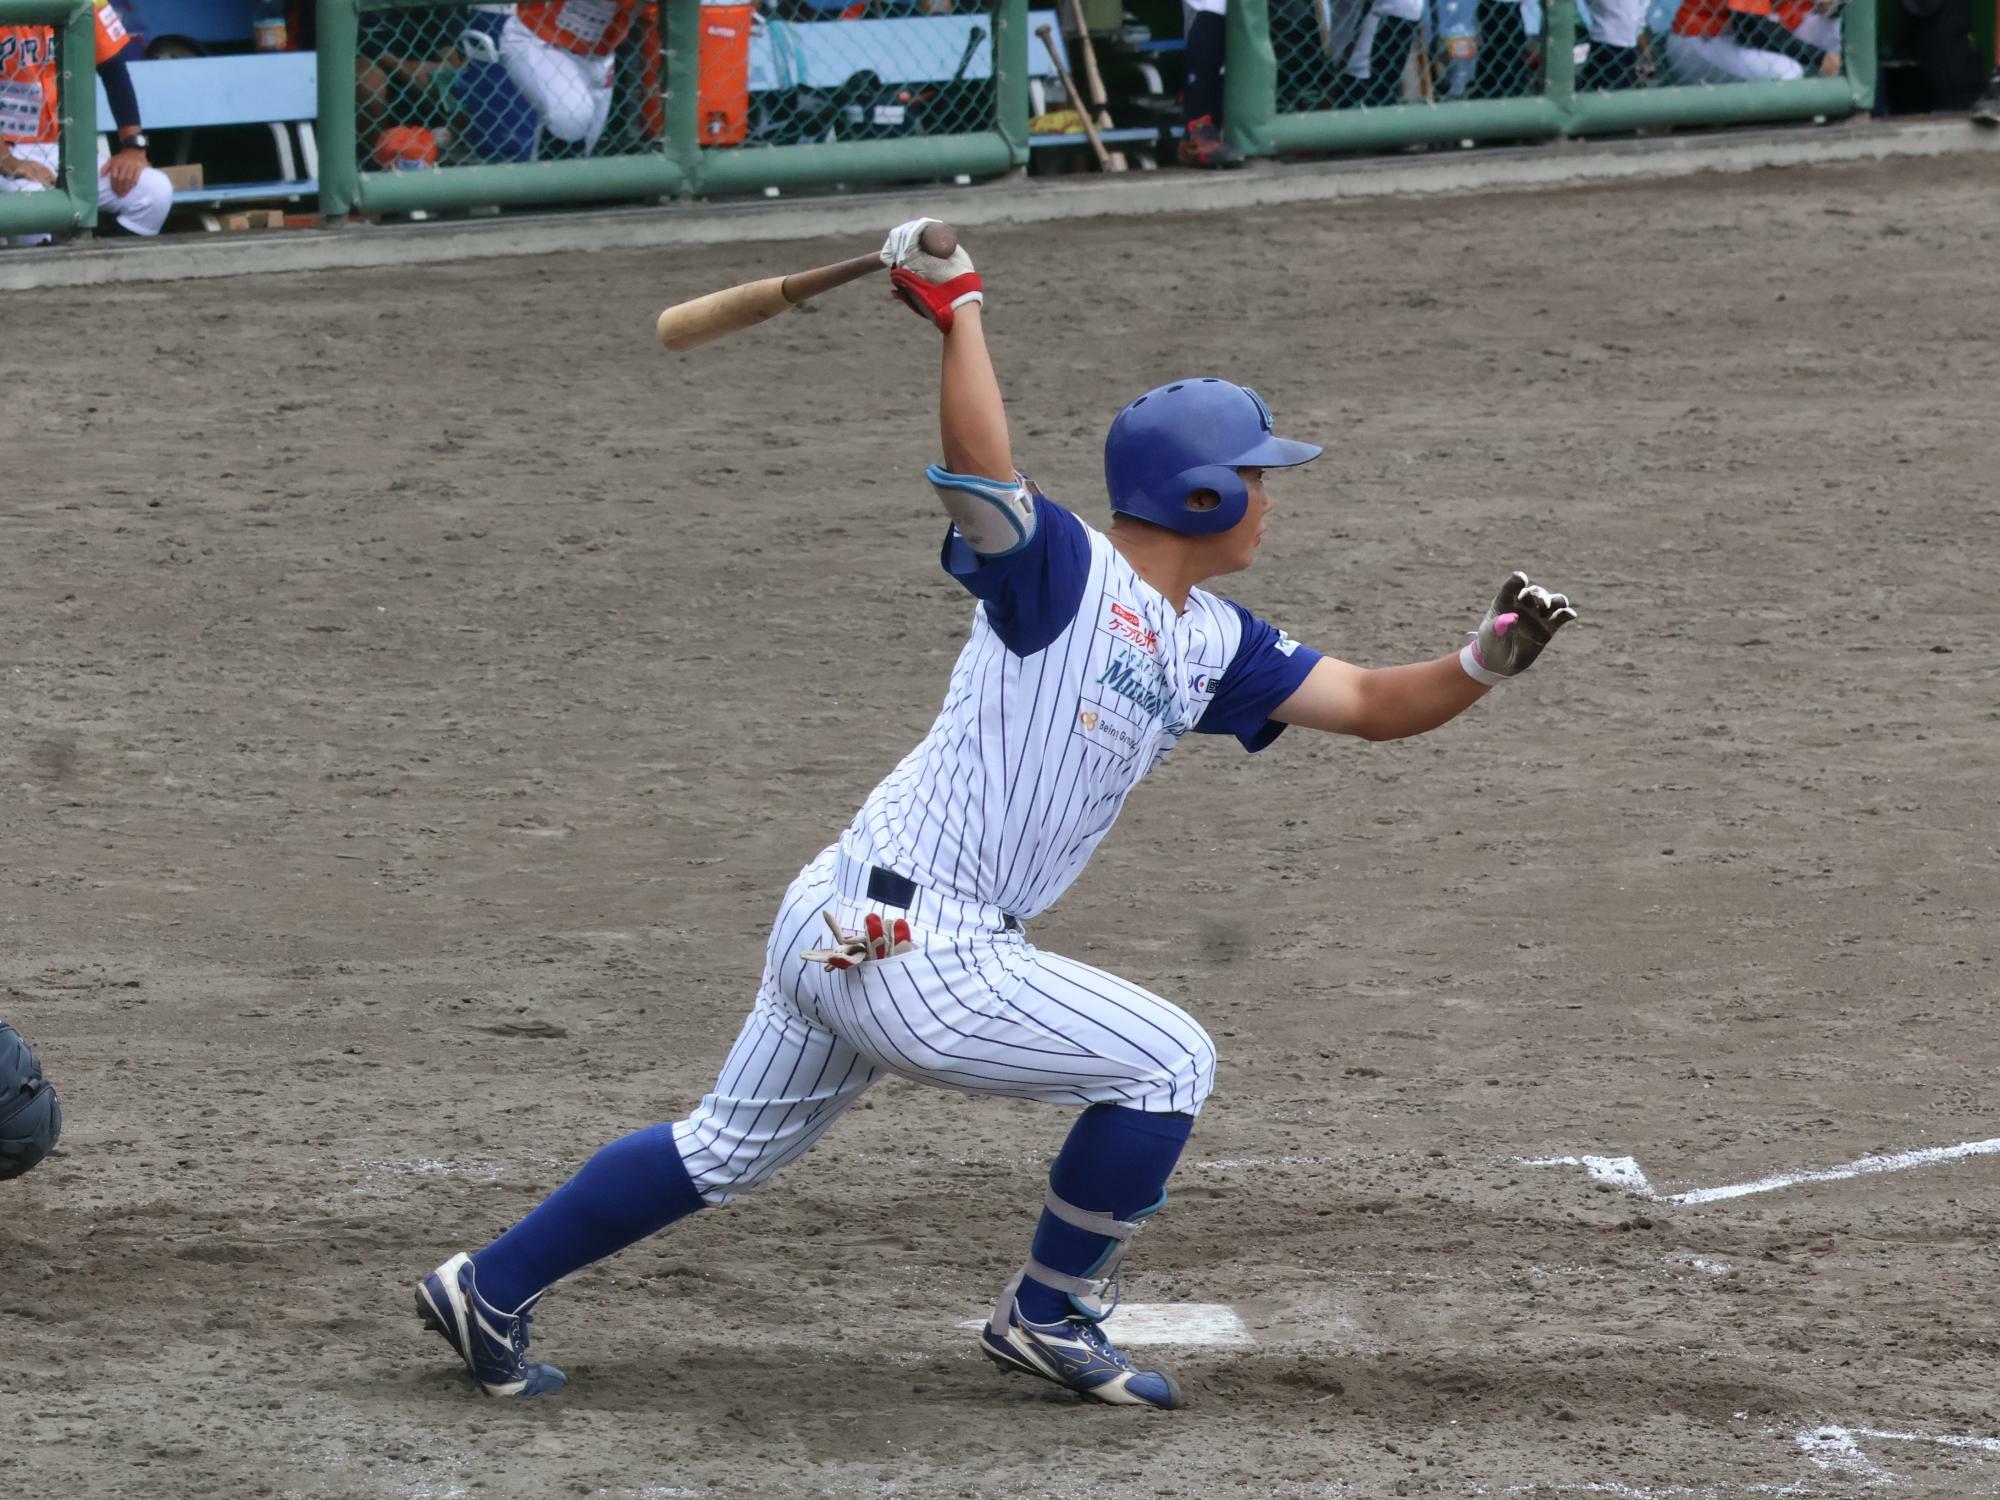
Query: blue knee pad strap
{"points": [[1094, 1294]]}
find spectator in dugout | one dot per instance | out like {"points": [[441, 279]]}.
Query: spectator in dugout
{"points": [[135, 193], [559, 55], [1207, 31], [1754, 41]]}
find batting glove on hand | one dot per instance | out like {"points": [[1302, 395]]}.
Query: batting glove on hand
{"points": [[932, 287], [851, 950], [1523, 619]]}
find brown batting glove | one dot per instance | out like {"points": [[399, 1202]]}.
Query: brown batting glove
{"points": [[1524, 618], [851, 950]]}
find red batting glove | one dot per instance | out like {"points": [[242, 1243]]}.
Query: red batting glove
{"points": [[936, 301], [851, 950]]}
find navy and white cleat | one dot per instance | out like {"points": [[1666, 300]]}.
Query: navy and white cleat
{"points": [[1075, 1354], [493, 1344]]}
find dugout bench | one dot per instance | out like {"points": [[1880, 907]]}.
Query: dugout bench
{"points": [[928, 50], [279, 90]]}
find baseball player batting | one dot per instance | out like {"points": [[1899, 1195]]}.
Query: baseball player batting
{"points": [[1092, 653]]}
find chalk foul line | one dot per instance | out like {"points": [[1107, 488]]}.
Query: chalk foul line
{"points": [[1839, 1448], [1624, 1173]]}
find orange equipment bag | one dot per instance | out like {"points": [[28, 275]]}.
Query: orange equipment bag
{"points": [[723, 98]]}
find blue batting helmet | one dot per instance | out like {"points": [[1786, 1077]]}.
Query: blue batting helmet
{"points": [[1193, 435], [30, 1117]]}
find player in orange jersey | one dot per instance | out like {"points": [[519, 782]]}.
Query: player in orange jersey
{"points": [[1770, 41], [560, 54], [137, 194]]}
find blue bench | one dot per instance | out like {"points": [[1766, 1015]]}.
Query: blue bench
{"points": [[919, 49], [896, 49], [275, 89]]}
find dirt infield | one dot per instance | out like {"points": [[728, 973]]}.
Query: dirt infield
{"points": [[420, 688]]}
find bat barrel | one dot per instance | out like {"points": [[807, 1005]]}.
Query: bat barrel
{"points": [[688, 325]]}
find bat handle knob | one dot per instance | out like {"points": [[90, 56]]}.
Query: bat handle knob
{"points": [[939, 240]]}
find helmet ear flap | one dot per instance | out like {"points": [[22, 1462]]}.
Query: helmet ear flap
{"points": [[1229, 489]]}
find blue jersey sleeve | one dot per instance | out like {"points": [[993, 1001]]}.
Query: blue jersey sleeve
{"points": [[1032, 593], [1266, 670]]}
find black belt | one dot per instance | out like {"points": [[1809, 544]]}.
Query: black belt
{"points": [[890, 889]]}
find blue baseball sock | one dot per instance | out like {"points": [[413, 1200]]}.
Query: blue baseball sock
{"points": [[1116, 1161], [633, 1187]]}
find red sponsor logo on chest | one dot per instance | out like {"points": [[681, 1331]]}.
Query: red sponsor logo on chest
{"points": [[1128, 626]]}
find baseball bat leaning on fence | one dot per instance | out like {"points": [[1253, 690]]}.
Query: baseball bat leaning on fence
{"points": [[687, 325], [952, 92], [1075, 99], [1094, 80]]}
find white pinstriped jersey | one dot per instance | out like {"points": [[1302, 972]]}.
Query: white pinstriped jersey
{"points": [[1078, 679]]}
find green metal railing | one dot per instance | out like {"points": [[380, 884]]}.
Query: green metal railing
{"points": [[72, 204], [985, 135], [977, 123], [1548, 107]]}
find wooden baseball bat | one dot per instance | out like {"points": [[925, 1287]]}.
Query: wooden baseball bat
{"points": [[688, 325], [1075, 99], [1094, 80]]}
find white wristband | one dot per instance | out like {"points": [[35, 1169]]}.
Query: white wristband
{"points": [[1469, 659]]}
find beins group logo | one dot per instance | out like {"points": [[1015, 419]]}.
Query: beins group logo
{"points": [[1110, 731]]}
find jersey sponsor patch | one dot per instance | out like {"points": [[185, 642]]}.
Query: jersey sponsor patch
{"points": [[108, 22], [1204, 684], [1284, 645], [587, 20], [1126, 625], [20, 109], [1109, 730]]}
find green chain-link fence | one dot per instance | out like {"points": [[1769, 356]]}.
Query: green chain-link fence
{"points": [[553, 100], [556, 100], [1319, 75], [56, 36], [1368, 54], [445, 86], [877, 70], [1347, 54]]}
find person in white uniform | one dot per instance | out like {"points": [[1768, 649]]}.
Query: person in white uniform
{"points": [[1091, 655], [562, 56], [1754, 41]]}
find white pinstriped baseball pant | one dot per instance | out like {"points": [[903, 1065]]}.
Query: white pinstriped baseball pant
{"points": [[974, 1007]]}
